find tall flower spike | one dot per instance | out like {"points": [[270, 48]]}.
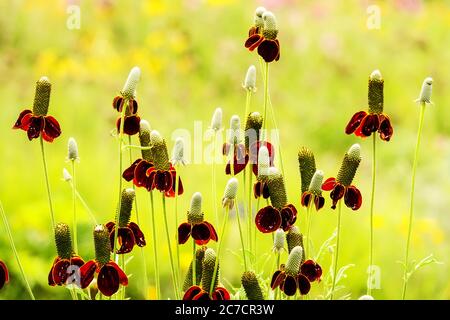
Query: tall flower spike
{"points": [[277, 189], [102, 244], [208, 265], [375, 92], [63, 241], [263, 162], [259, 22], [349, 165], [270, 30], [307, 165], [250, 79], [42, 97], [253, 127], [216, 121], [126, 205], [294, 238], [294, 261], [195, 214], [314, 191], [129, 89], [425, 93], [178, 152], [278, 241], [72, 153], [251, 286], [144, 139], [199, 255], [230, 193], [159, 151]]}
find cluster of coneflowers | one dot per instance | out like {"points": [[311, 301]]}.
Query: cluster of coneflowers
{"points": [[250, 163]]}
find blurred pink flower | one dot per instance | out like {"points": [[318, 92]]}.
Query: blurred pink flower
{"points": [[409, 5]]}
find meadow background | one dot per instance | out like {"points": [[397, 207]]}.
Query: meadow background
{"points": [[192, 59]]}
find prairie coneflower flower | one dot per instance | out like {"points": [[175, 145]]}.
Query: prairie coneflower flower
{"points": [[66, 266], [266, 39], [200, 230], [239, 158], [280, 214], [258, 22], [314, 192], [230, 193], [307, 166], [341, 187], [129, 233], [264, 162], [4, 275], [363, 123], [109, 275], [127, 99], [209, 289], [36, 122], [251, 286]]}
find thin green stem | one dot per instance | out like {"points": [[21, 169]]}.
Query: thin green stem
{"points": [[169, 240], [47, 183], [219, 248], [133, 146], [336, 256], [74, 199], [411, 205], [16, 254], [308, 228], [277, 292], [122, 291], [155, 250], [241, 236], [85, 205], [251, 230], [266, 98], [177, 252], [213, 178], [372, 204], [194, 262]]}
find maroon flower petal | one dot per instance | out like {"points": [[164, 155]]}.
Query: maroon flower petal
{"points": [[110, 226], [201, 233], [60, 273], [253, 41], [289, 286], [221, 294], [22, 121], [336, 194], [268, 219], [213, 232], [277, 278], [311, 270], [266, 193], [303, 284], [355, 122], [35, 126], [108, 280], [123, 279], [269, 50], [163, 180], [329, 184], [4, 275], [87, 272], [369, 125], [253, 30], [306, 198], [74, 274], [386, 131], [184, 232], [51, 129], [257, 189], [51, 282], [131, 125], [202, 296], [138, 234], [192, 292], [125, 239], [128, 174], [319, 202], [142, 176], [253, 154], [288, 216], [133, 105], [353, 198], [118, 103]]}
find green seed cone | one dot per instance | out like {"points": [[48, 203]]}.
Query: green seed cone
{"points": [[208, 264], [349, 165], [195, 214], [253, 126], [102, 244], [251, 286], [126, 204], [42, 97], [294, 238], [199, 255], [294, 261], [376, 96], [159, 151], [129, 88], [144, 139], [63, 241], [307, 165], [277, 190]]}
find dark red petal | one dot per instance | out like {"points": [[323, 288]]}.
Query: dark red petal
{"points": [[266, 193], [142, 175], [319, 202], [35, 126], [311, 270], [4, 275], [253, 30], [192, 292], [138, 234], [110, 226], [52, 130], [108, 280], [213, 232], [369, 125], [161, 180], [239, 164], [303, 284], [386, 131], [226, 148], [353, 198], [123, 279], [253, 41], [269, 50], [87, 272], [257, 189], [74, 274], [50, 274], [279, 50], [355, 122], [329, 184], [288, 216], [277, 278], [131, 125], [221, 294], [128, 174], [202, 296], [125, 239], [289, 286], [336, 194], [22, 122], [133, 105], [306, 197], [59, 273], [268, 219], [201, 233], [118, 103], [184, 231]]}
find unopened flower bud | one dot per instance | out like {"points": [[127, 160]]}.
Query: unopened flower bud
{"points": [[251, 286], [129, 88], [66, 175], [102, 244], [208, 265], [42, 97], [349, 165], [278, 241], [307, 165], [195, 214], [230, 193], [375, 92], [250, 79], [159, 151], [144, 139], [425, 93], [178, 152], [235, 128], [63, 241], [216, 121], [294, 261], [72, 150]]}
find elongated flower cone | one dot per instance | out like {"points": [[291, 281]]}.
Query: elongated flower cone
{"points": [[425, 93], [144, 139], [294, 261], [253, 127], [102, 244], [72, 153], [294, 238], [208, 265], [349, 165], [178, 153], [278, 241], [42, 97], [230, 193], [216, 121], [199, 255], [235, 128], [63, 241], [307, 165], [126, 205], [250, 79], [251, 286], [277, 189], [375, 93], [195, 213], [129, 88], [159, 151]]}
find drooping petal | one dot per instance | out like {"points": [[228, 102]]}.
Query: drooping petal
{"points": [[253, 41], [118, 103], [386, 131], [108, 280], [336, 194], [355, 122], [279, 50], [59, 272], [329, 184], [125, 239], [22, 121], [289, 286], [201, 233], [128, 174], [133, 106], [51, 129], [288, 216], [257, 189], [253, 30], [277, 278], [353, 198], [306, 198], [213, 232], [311, 270], [35, 127], [220, 294], [184, 232], [303, 284], [131, 124], [319, 202], [4, 275], [163, 180], [123, 279], [254, 152], [87, 272], [202, 296], [368, 125], [142, 175], [51, 282], [192, 292], [110, 226], [138, 234], [269, 50], [74, 274], [268, 219]]}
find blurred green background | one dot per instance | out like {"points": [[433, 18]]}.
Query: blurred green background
{"points": [[192, 59]]}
